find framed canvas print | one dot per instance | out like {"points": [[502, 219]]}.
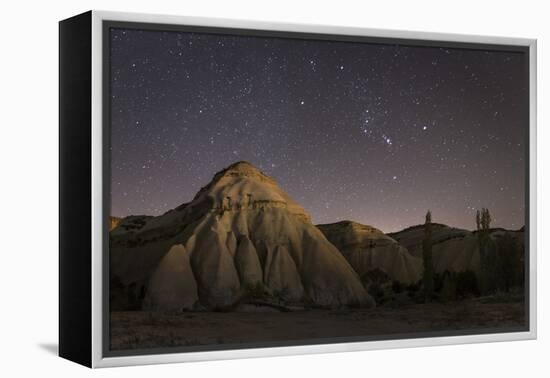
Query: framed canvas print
{"points": [[233, 189]]}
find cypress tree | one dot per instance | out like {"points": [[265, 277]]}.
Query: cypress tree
{"points": [[428, 275], [486, 262]]}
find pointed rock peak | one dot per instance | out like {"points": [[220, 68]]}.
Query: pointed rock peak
{"points": [[242, 186], [241, 168]]}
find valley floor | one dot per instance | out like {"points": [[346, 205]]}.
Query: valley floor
{"points": [[142, 330]]}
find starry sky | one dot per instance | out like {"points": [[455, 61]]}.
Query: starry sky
{"points": [[375, 133]]}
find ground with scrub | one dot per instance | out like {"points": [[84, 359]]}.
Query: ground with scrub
{"points": [[142, 329]]}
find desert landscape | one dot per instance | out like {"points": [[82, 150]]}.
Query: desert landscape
{"points": [[243, 264], [274, 191]]}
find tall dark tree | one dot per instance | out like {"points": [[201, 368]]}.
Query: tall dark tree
{"points": [[428, 275], [487, 253]]}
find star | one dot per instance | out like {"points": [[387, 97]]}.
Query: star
{"points": [[199, 102]]}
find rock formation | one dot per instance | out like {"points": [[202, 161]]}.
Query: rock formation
{"points": [[114, 222], [453, 249], [172, 284], [367, 248], [240, 231], [412, 237]]}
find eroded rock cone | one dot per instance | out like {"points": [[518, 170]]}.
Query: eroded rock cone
{"points": [[240, 231], [172, 286]]}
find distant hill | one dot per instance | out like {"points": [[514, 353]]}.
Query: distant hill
{"points": [[366, 248], [453, 249], [411, 237]]}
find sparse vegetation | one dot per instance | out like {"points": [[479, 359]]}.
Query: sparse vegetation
{"points": [[466, 284], [397, 287], [448, 288], [428, 275], [281, 296], [501, 260], [134, 329], [511, 262], [377, 292], [375, 276], [254, 290], [262, 240], [486, 252]]}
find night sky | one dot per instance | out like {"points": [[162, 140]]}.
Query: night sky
{"points": [[367, 132]]}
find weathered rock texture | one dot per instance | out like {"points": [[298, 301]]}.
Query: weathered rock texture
{"points": [[240, 231], [366, 248], [114, 222], [453, 249]]}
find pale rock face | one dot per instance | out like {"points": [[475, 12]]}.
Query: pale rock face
{"points": [[231, 243], [367, 248], [457, 254], [242, 229], [453, 249], [242, 186], [132, 223], [172, 285], [215, 272], [281, 274], [325, 281], [411, 237], [294, 257], [247, 263]]}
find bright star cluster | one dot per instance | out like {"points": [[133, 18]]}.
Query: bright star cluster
{"points": [[375, 133]]}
